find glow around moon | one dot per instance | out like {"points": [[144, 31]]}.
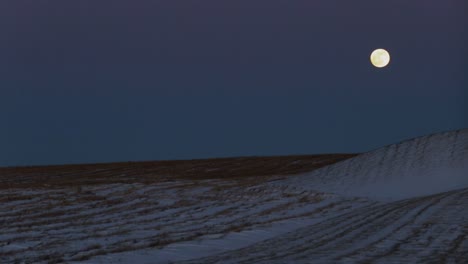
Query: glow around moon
{"points": [[380, 58]]}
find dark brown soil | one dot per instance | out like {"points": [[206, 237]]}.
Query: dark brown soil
{"points": [[150, 171]]}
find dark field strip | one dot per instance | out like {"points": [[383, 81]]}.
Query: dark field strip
{"points": [[150, 171]]}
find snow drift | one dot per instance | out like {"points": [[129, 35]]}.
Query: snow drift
{"points": [[416, 167]]}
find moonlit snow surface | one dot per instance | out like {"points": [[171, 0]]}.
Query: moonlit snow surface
{"points": [[403, 203], [421, 166]]}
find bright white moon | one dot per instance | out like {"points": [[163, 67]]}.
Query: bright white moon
{"points": [[380, 58]]}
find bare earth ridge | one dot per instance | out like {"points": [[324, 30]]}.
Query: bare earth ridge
{"points": [[155, 171]]}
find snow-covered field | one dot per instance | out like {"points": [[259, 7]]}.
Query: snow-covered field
{"points": [[404, 203]]}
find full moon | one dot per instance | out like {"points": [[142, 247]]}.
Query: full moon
{"points": [[380, 58]]}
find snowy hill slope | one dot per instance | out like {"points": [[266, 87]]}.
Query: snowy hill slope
{"points": [[420, 166]]}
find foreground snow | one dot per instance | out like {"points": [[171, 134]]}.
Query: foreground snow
{"points": [[170, 218], [405, 203]]}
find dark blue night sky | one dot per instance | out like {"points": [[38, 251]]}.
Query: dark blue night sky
{"points": [[97, 81]]}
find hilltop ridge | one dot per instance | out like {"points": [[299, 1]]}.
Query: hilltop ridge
{"points": [[420, 166]]}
